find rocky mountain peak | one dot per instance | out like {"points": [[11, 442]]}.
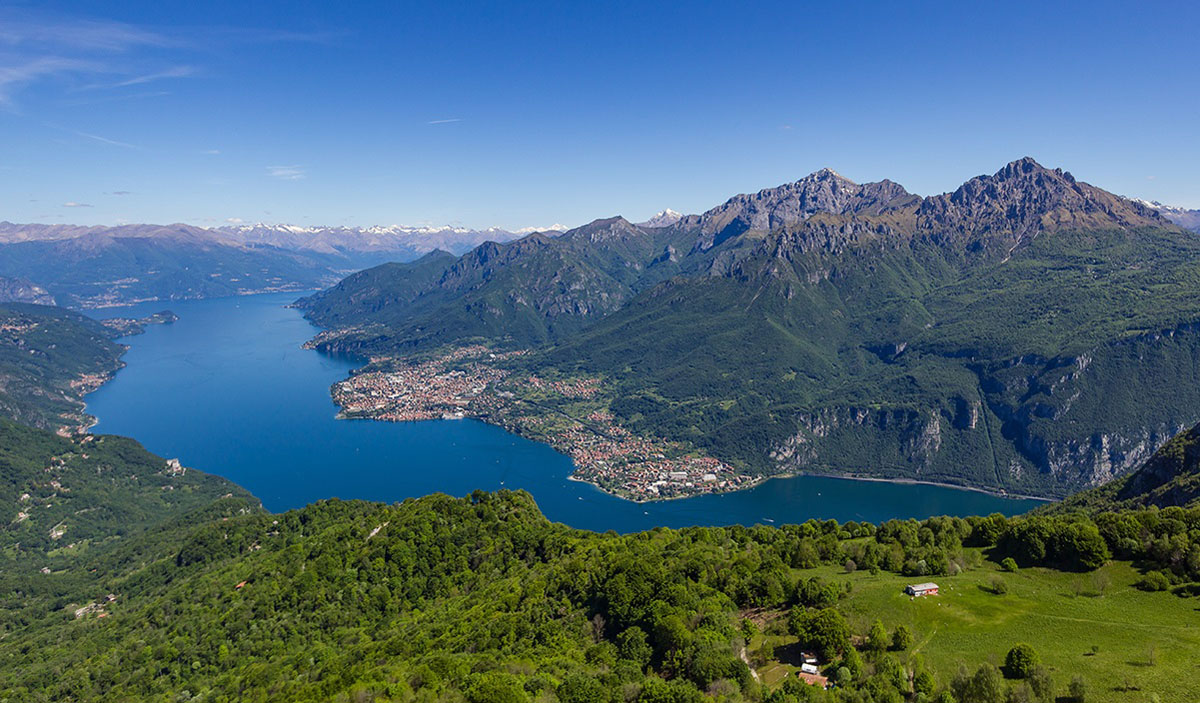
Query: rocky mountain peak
{"points": [[666, 218], [823, 191], [1025, 198], [606, 229]]}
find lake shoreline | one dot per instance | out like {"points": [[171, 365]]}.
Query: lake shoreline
{"points": [[229, 391], [918, 482], [487, 404]]}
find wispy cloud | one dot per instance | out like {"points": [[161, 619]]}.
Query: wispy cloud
{"points": [[15, 76], [94, 55], [75, 204], [104, 140], [211, 152], [24, 29], [234, 220], [287, 173], [445, 121], [121, 192], [173, 72]]}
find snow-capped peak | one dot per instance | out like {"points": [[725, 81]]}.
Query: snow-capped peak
{"points": [[666, 218], [552, 228]]}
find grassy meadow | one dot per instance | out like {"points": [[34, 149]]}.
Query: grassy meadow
{"points": [[1129, 645]]}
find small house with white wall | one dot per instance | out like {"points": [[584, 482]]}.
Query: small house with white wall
{"points": [[921, 589]]}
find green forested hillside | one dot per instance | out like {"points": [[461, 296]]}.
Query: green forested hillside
{"points": [[482, 599], [50, 357], [1027, 332]]}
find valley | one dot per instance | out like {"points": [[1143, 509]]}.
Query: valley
{"points": [[831, 327], [921, 429]]}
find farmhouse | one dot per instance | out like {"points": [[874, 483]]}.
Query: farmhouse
{"points": [[922, 589], [813, 679]]}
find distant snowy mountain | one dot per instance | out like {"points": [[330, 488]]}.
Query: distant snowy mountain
{"points": [[1188, 219], [410, 241], [95, 266], [666, 218], [552, 228]]}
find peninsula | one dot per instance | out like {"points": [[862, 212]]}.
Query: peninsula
{"points": [[570, 413]]}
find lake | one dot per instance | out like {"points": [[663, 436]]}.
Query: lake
{"points": [[228, 390]]}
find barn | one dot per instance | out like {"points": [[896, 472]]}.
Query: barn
{"points": [[921, 589]]}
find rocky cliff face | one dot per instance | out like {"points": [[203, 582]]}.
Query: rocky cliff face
{"points": [[1028, 421]]}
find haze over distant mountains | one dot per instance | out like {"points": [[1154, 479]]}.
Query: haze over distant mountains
{"points": [[1015, 334], [87, 267], [1183, 217]]}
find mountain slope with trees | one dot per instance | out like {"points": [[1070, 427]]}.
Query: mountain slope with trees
{"points": [[1028, 332], [481, 599]]}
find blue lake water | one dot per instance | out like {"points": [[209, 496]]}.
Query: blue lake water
{"points": [[228, 390]]}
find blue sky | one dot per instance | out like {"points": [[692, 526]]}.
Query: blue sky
{"points": [[526, 114]]}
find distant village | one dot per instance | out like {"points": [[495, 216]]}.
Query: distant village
{"points": [[473, 382]]}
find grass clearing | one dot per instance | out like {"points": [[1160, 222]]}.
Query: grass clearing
{"points": [[1129, 645]]}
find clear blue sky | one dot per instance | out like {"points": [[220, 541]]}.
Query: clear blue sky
{"points": [[514, 114]]}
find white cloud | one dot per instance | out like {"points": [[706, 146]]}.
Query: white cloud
{"points": [[234, 220], [75, 204], [211, 152], [287, 173], [448, 120]]}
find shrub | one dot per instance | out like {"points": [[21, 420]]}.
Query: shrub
{"points": [[1078, 690], [1154, 581], [1020, 662], [1009, 564]]}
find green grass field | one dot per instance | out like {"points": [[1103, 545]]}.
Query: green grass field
{"points": [[1146, 643]]}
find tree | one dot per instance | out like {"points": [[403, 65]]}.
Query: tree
{"points": [[877, 639], [578, 688], [823, 630], [923, 682], [633, 645], [986, 685], [1078, 690], [843, 677], [655, 690], [902, 638], [1009, 564], [1020, 662], [1042, 685], [496, 687]]}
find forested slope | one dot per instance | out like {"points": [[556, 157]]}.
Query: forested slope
{"points": [[481, 598], [50, 357]]}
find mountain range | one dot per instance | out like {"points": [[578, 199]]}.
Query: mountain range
{"points": [[1027, 332], [1188, 219], [89, 267]]}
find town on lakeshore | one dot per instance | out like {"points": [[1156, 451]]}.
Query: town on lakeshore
{"points": [[569, 413]]}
